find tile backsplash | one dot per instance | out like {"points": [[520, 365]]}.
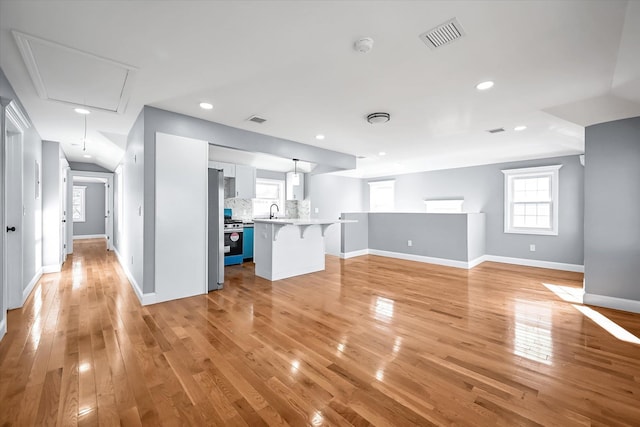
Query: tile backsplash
{"points": [[243, 208]]}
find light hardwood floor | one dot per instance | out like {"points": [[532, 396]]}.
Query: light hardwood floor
{"points": [[369, 341]]}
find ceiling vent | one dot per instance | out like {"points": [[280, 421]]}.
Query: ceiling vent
{"points": [[64, 74], [496, 130], [443, 34], [257, 119]]}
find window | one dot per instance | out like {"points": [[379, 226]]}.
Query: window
{"points": [[268, 191], [444, 206], [381, 196], [79, 203], [531, 200]]}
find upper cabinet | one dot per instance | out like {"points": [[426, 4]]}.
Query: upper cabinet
{"points": [[245, 182], [229, 169], [295, 192]]}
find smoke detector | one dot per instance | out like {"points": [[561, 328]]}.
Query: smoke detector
{"points": [[378, 118], [364, 45]]}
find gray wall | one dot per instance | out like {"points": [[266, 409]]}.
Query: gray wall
{"points": [[131, 246], [32, 225], [264, 174], [355, 236], [94, 210], [482, 188], [51, 175], [332, 195], [612, 203], [87, 167], [432, 235]]}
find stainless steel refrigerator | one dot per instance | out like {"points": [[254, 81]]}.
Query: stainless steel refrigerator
{"points": [[216, 230]]}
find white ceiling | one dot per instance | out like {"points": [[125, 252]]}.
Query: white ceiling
{"points": [[557, 65]]}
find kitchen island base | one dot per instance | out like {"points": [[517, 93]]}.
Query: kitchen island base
{"points": [[281, 251]]}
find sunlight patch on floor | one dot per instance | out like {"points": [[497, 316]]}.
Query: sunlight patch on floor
{"points": [[608, 325], [567, 293]]}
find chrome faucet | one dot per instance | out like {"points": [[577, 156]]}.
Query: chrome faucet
{"points": [[271, 214]]}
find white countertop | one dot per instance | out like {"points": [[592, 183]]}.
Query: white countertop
{"points": [[297, 221]]}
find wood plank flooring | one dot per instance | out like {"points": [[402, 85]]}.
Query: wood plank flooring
{"points": [[370, 341]]}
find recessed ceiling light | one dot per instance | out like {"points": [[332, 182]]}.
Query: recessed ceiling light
{"points": [[87, 156], [206, 106], [82, 111], [320, 136], [382, 153], [484, 85], [519, 128]]}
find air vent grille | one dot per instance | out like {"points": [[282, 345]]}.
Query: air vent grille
{"points": [[496, 130], [443, 34], [257, 119]]}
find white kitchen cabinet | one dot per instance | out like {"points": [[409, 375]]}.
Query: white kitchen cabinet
{"points": [[295, 192], [245, 182], [228, 169]]}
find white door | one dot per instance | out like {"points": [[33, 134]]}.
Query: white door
{"points": [[108, 215], [64, 176], [13, 215], [181, 217]]}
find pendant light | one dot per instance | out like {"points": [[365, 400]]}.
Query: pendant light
{"points": [[84, 138], [296, 177]]}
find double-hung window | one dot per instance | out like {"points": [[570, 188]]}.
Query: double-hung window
{"points": [[531, 200], [381, 196], [268, 191], [79, 203]]}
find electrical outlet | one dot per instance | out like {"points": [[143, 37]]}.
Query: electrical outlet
{"points": [[409, 243], [316, 210], [532, 248]]}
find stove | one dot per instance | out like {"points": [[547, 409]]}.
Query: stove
{"points": [[232, 225]]}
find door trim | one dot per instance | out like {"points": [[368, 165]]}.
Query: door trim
{"points": [[13, 113], [110, 190]]}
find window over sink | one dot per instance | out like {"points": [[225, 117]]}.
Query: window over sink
{"points": [[268, 192]]}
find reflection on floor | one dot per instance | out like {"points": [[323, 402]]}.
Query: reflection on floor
{"points": [[369, 341]]}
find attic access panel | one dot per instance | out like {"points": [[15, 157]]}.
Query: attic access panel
{"points": [[64, 74]]}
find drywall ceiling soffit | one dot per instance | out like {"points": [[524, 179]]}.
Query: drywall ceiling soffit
{"points": [[596, 110], [258, 160], [68, 75], [88, 179]]}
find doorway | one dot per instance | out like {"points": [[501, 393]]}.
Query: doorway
{"points": [[81, 183], [13, 124]]}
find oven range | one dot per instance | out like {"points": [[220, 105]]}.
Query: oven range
{"points": [[233, 237]]}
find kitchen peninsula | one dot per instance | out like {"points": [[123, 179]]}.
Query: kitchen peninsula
{"points": [[289, 247]]}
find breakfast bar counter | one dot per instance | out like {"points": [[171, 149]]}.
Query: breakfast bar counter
{"points": [[289, 247]]}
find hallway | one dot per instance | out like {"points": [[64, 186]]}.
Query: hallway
{"points": [[370, 341]]}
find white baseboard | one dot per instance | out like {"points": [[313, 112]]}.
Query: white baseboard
{"points": [[31, 285], [477, 261], [421, 258], [90, 236], [467, 264], [145, 299], [3, 326], [53, 268], [623, 304], [347, 255], [535, 263]]}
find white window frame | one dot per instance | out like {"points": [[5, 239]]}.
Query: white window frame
{"points": [[376, 185], [280, 202], [536, 172], [83, 197]]}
